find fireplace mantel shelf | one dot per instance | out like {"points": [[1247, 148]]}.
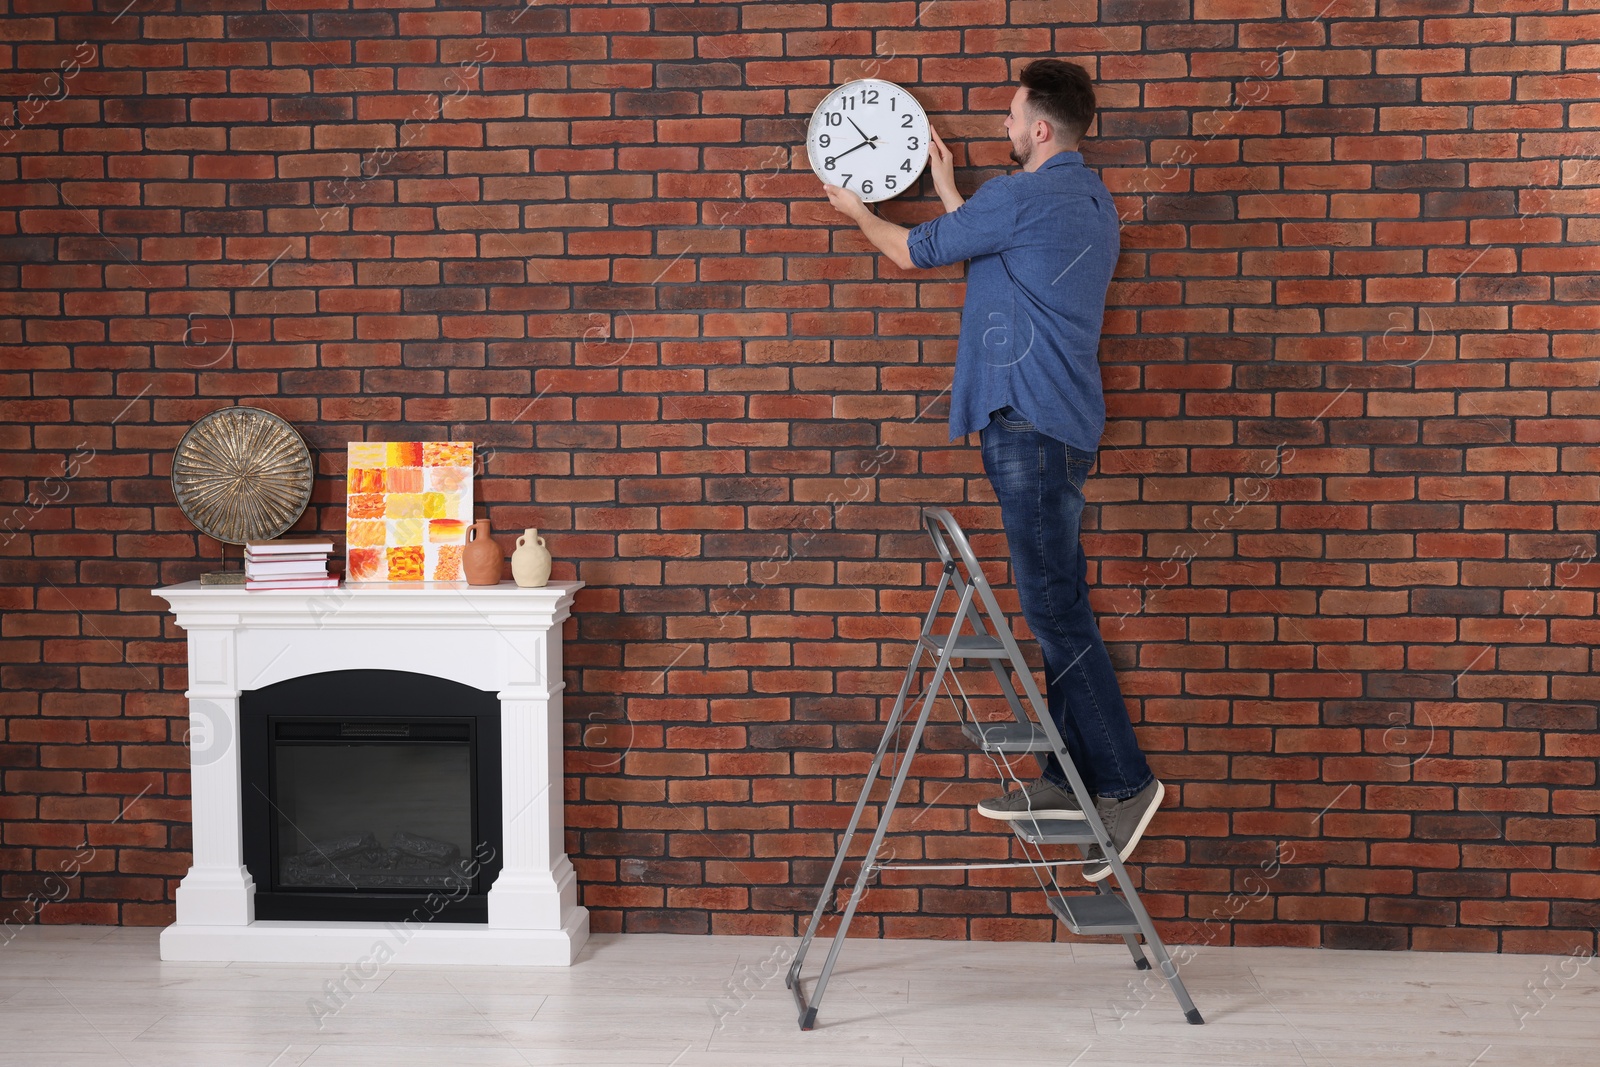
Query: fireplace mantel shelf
{"points": [[425, 605], [502, 639]]}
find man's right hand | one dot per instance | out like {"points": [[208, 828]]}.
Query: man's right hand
{"points": [[943, 167]]}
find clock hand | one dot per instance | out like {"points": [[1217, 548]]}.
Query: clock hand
{"points": [[841, 155], [859, 130]]}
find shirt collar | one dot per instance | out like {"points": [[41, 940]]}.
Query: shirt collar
{"points": [[1061, 159]]}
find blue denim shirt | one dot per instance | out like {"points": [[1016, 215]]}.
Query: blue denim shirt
{"points": [[1043, 247]]}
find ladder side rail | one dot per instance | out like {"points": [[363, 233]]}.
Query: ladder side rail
{"points": [[941, 523], [1008, 690], [947, 534], [1014, 702], [947, 572], [896, 718], [1043, 717], [1002, 671], [1019, 665], [932, 520], [1008, 641], [997, 623], [1124, 881], [1131, 940], [941, 665], [1158, 948], [972, 615], [1092, 816], [960, 585]]}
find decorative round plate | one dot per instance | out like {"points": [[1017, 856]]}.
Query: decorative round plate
{"points": [[242, 474]]}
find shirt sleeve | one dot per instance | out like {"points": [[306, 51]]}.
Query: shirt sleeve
{"points": [[984, 224]]}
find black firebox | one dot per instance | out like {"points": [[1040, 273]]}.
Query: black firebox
{"points": [[371, 796]]}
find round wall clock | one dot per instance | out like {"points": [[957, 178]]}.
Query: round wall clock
{"points": [[869, 136]]}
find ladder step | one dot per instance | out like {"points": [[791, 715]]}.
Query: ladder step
{"points": [[968, 646], [1054, 831], [1007, 736], [1095, 913]]}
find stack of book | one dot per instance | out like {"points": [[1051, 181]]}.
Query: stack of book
{"points": [[288, 563]]}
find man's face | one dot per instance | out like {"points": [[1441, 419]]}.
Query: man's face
{"points": [[1018, 127]]}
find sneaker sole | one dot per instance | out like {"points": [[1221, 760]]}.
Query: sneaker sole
{"points": [[1031, 816], [1133, 842]]}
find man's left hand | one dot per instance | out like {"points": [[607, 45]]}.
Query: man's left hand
{"points": [[846, 202]]}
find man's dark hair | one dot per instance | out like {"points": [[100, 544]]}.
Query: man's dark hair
{"points": [[1062, 94]]}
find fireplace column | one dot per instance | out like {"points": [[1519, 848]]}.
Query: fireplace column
{"points": [[537, 884], [218, 890]]}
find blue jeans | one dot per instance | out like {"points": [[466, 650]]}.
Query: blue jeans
{"points": [[1039, 482]]}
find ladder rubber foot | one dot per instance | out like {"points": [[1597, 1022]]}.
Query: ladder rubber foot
{"points": [[1193, 1015], [1142, 964], [808, 1019]]}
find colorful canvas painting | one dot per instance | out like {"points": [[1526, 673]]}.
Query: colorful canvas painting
{"points": [[408, 507]]}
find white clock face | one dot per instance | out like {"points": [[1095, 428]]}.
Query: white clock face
{"points": [[870, 137]]}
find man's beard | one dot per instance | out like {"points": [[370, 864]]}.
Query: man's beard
{"points": [[1021, 158]]}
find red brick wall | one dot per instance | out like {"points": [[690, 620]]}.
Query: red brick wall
{"points": [[1344, 514]]}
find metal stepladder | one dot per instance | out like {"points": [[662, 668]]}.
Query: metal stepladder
{"points": [[1103, 912]]}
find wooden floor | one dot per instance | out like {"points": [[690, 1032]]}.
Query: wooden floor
{"points": [[79, 996]]}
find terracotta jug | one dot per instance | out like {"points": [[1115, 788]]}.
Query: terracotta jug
{"points": [[530, 563], [482, 558]]}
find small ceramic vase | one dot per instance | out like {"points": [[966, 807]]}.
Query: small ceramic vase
{"points": [[530, 563], [482, 558]]}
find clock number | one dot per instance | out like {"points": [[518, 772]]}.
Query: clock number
{"points": [[905, 165], [827, 164], [848, 103], [824, 141], [869, 96], [912, 142], [888, 181], [832, 118], [893, 100], [846, 183], [905, 121], [866, 185]]}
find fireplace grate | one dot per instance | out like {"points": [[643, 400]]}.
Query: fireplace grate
{"points": [[374, 729]]}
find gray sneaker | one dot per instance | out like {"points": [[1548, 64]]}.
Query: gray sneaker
{"points": [[1041, 800], [1125, 822]]}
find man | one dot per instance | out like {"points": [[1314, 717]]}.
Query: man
{"points": [[1042, 246]]}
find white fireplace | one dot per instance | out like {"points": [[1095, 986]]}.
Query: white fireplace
{"points": [[501, 639]]}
